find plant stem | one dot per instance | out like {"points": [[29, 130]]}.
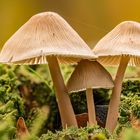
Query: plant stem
{"points": [[38, 75]]}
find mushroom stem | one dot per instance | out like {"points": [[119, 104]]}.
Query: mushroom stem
{"points": [[64, 104], [91, 107], [112, 115]]}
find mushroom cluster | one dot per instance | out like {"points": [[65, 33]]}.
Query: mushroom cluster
{"points": [[46, 38]]}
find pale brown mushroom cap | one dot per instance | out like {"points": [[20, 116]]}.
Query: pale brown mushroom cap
{"points": [[124, 39], [89, 74], [45, 34]]}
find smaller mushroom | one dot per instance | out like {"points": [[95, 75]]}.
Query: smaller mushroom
{"points": [[86, 76], [22, 129]]}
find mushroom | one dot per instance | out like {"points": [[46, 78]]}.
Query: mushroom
{"points": [[48, 38], [119, 47], [22, 129], [88, 75]]}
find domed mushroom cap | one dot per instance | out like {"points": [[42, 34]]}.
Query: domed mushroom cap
{"points": [[124, 39], [89, 74], [45, 34]]}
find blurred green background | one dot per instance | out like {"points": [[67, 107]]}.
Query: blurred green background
{"points": [[92, 19]]}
